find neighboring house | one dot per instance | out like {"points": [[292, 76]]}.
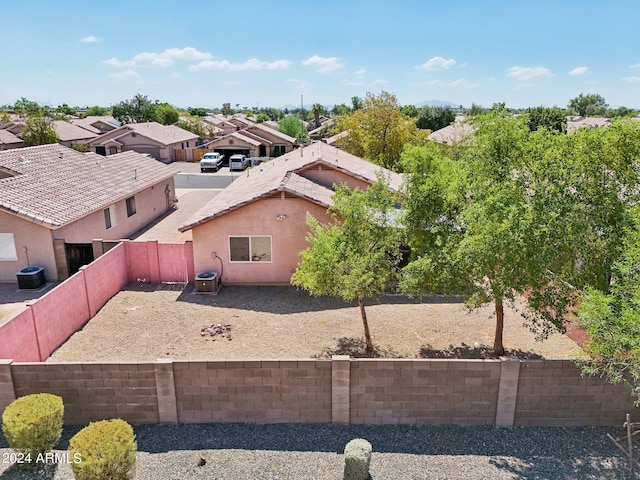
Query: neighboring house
{"points": [[574, 123], [69, 134], [8, 140], [253, 231], [97, 124], [453, 134], [155, 139], [255, 141], [54, 201]]}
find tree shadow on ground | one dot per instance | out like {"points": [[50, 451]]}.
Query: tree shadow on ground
{"points": [[356, 348], [23, 472], [468, 352], [287, 299]]}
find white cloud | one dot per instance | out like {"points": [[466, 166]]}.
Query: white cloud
{"points": [[360, 72], [161, 60], [462, 83], [635, 65], [89, 39], [580, 71], [379, 82], [527, 73], [128, 75], [252, 64], [323, 64], [631, 79], [437, 63]]}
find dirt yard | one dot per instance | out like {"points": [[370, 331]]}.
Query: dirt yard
{"points": [[145, 322]]}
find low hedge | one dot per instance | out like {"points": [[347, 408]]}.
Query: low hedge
{"points": [[32, 424], [104, 450]]}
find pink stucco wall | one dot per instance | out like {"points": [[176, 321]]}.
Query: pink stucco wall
{"points": [[19, 339], [288, 239], [60, 312], [36, 239], [159, 262], [49, 321]]}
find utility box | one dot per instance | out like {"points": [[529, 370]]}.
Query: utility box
{"points": [[207, 282], [31, 278]]}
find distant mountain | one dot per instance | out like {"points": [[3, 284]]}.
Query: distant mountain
{"points": [[437, 103]]}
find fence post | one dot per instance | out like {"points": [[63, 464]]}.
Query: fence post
{"points": [[340, 388], [507, 391], [7, 389], [166, 391]]}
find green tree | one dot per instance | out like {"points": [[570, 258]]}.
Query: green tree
{"points": [[435, 118], [621, 112], [589, 105], [226, 109], [379, 132], [65, 109], [25, 108], [39, 131], [353, 258], [262, 117], [612, 320], [137, 110], [492, 224], [95, 111], [292, 126], [341, 109], [475, 109], [193, 124], [410, 111], [197, 111], [166, 114], [553, 118], [356, 103]]}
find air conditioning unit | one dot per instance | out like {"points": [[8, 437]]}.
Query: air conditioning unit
{"points": [[207, 282], [31, 278]]}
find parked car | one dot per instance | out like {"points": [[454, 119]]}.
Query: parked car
{"points": [[238, 162], [211, 161]]}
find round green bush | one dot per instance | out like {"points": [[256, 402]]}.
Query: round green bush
{"points": [[32, 424], [104, 450]]}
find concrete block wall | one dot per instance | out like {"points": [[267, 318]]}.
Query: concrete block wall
{"points": [[505, 392], [427, 392], [278, 391], [93, 391], [160, 262], [104, 278], [553, 393]]}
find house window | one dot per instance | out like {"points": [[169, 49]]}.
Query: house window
{"points": [[7, 248], [110, 217], [250, 249], [131, 206], [279, 150]]}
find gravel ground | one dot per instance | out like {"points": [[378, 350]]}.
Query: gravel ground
{"points": [[301, 452], [145, 322]]}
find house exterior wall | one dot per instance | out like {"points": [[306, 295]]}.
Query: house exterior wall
{"points": [[150, 203], [37, 241], [329, 177], [288, 239], [235, 144]]}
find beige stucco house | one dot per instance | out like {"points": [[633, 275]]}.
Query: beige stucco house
{"points": [[160, 141], [253, 231], [9, 140], [254, 141], [54, 201]]}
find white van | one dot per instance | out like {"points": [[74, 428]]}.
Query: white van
{"points": [[238, 162]]}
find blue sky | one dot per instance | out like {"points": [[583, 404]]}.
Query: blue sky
{"points": [[269, 53]]}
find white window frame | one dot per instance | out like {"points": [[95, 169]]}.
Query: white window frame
{"points": [[8, 252], [250, 237]]}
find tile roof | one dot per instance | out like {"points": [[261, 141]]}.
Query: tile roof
{"points": [[6, 137], [286, 173], [162, 134], [54, 185], [68, 132]]}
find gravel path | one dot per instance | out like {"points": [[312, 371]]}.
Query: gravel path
{"points": [[306, 452]]}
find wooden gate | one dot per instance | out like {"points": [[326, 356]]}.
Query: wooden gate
{"points": [[198, 153]]}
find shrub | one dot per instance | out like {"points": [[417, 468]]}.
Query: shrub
{"points": [[104, 450], [32, 424], [357, 458]]}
